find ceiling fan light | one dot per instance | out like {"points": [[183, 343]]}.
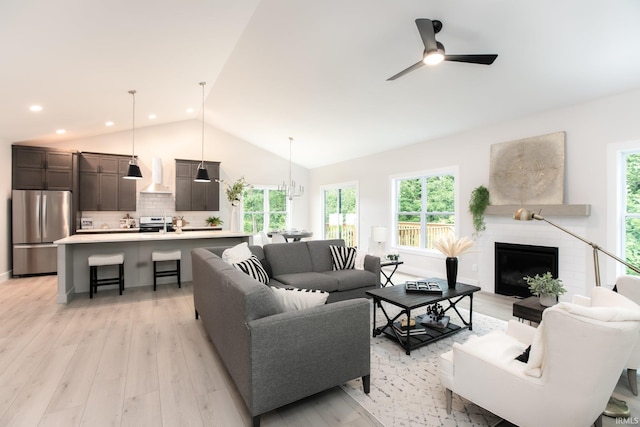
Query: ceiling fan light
{"points": [[433, 58], [202, 175]]}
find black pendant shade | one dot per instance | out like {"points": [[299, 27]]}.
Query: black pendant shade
{"points": [[134, 171], [202, 175]]}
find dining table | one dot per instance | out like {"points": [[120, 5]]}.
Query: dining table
{"points": [[291, 235]]}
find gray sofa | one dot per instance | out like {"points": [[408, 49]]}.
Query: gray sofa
{"points": [[308, 265], [277, 357]]}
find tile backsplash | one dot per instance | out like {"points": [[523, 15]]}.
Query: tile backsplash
{"points": [[148, 205]]}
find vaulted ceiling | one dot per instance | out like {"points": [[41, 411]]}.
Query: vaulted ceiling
{"points": [[315, 71]]}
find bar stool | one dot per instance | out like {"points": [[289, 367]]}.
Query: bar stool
{"points": [[159, 256], [96, 261]]}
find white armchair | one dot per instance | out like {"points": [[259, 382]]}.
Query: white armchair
{"points": [[629, 286], [577, 354]]}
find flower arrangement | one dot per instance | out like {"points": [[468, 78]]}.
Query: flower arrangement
{"points": [[545, 284], [452, 247], [234, 191]]}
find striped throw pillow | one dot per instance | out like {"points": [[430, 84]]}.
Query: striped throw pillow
{"points": [[343, 257], [253, 267]]}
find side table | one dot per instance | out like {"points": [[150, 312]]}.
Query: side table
{"points": [[529, 309], [388, 277]]}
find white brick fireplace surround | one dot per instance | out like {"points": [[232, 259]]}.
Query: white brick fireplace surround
{"points": [[575, 259]]}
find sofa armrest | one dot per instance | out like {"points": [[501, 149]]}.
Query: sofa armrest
{"points": [[581, 300], [520, 331], [372, 264], [298, 353]]}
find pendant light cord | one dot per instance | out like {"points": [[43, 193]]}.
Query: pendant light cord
{"points": [[133, 129], [202, 163]]}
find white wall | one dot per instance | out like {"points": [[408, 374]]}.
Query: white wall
{"points": [[590, 127]]}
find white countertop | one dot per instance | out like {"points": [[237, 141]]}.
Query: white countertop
{"points": [[145, 237], [136, 230]]}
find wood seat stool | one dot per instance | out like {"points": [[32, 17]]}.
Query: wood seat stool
{"points": [[101, 260], [159, 256]]}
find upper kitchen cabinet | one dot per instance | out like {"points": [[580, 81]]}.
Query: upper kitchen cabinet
{"points": [[102, 187], [197, 196], [37, 168]]}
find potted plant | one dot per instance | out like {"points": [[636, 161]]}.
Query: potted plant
{"points": [[546, 287], [477, 204], [214, 221]]}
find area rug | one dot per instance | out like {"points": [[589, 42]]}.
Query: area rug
{"points": [[406, 390]]}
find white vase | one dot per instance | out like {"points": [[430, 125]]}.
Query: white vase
{"points": [[547, 300], [235, 222]]}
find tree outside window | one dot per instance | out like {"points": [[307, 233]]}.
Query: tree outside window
{"points": [[265, 209], [631, 211], [425, 209]]}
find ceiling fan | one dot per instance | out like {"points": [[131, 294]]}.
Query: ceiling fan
{"points": [[434, 50]]}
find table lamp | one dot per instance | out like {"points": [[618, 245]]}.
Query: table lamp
{"points": [[379, 235]]}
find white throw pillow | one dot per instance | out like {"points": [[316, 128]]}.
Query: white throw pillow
{"points": [[296, 299], [236, 254], [359, 262]]}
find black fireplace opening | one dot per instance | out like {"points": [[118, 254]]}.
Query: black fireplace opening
{"points": [[514, 262]]}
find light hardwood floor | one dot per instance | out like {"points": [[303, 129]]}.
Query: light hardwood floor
{"points": [[140, 359]]}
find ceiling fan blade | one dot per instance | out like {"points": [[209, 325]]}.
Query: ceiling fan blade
{"points": [[407, 70], [473, 59], [428, 34]]}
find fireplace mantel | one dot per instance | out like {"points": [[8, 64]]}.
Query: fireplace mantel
{"points": [[546, 210]]}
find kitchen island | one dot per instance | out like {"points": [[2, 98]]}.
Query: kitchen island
{"points": [[73, 252]]}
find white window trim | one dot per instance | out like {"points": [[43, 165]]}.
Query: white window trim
{"points": [[447, 170], [616, 203], [288, 207], [337, 186]]}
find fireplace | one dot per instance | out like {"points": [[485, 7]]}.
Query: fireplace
{"points": [[514, 261]]}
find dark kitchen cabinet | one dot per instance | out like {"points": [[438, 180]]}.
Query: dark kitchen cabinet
{"points": [[197, 196], [102, 187], [37, 168]]}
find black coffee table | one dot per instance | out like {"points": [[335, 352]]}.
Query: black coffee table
{"points": [[408, 301]]}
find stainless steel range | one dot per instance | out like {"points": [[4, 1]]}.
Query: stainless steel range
{"points": [[156, 223]]}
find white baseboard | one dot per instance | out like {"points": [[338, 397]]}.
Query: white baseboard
{"points": [[6, 276]]}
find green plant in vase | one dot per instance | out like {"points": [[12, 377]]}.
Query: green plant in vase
{"points": [[546, 287]]}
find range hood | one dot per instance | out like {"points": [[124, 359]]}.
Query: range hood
{"points": [[156, 186]]}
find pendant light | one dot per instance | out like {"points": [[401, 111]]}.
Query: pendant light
{"points": [[290, 189], [202, 175], [134, 169]]}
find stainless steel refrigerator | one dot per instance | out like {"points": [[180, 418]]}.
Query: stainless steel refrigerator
{"points": [[39, 218]]}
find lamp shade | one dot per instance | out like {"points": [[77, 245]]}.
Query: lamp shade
{"points": [[379, 234], [134, 171], [202, 175]]}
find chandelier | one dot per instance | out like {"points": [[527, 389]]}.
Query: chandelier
{"points": [[290, 189]]}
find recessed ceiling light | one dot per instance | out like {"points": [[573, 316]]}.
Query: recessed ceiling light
{"points": [[109, 123], [190, 110], [61, 131], [152, 116], [35, 108]]}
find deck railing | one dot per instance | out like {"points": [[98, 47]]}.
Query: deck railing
{"points": [[346, 232], [409, 233]]}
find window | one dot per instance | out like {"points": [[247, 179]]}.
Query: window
{"points": [[265, 209], [631, 208], [424, 209], [341, 213]]}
